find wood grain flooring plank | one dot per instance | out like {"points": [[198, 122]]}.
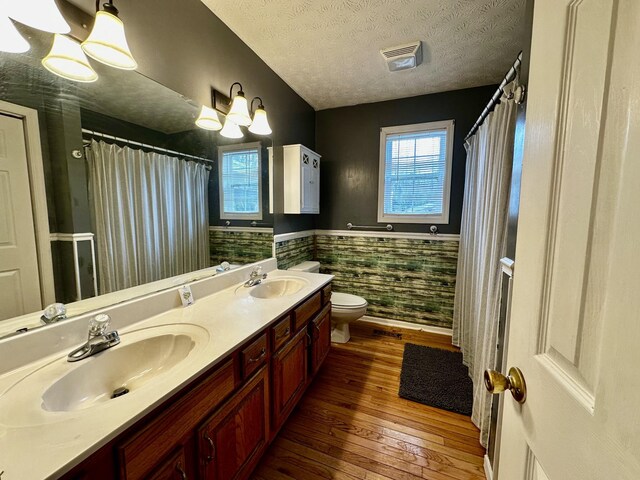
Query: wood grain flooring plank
{"points": [[351, 424]]}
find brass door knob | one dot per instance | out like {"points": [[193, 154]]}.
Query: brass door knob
{"points": [[496, 383]]}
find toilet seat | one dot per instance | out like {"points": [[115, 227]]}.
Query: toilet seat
{"points": [[346, 301]]}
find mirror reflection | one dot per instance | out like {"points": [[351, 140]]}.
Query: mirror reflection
{"points": [[110, 185]]}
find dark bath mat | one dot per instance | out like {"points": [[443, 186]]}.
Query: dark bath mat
{"points": [[437, 378]]}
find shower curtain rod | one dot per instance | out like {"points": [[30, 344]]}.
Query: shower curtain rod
{"points": [[508, 78], [145, 145]]}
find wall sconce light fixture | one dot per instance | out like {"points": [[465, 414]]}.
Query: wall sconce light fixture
{"points": [[11, 41], [67, 60], [239, 111], [209, 119], [231, 129], [41, 14], [260, 123], [237, 114], [107, 42]]}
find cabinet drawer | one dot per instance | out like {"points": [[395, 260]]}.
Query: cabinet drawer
{"points": [[254, 356], [281, 332], [172, 469], [139, 455], [308, 309], [326, 294]]}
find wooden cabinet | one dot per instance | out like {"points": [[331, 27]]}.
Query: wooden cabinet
{"points": [[232, 441], [289, 367], [301, 180], [175, 468], [281, 332], [219, 426], [254, 356], [150, 446], [320, 338]]}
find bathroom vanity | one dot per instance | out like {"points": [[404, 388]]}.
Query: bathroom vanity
{"points": [[253, 352]]}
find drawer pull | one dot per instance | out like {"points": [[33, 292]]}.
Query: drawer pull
{"points": [[284, 334], [212, 447], [181, 471], [263, 352]]}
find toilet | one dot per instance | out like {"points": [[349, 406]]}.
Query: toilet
{"points": [[345, 308]]}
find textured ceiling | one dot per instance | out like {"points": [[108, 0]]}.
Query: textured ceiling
{"points": [[328, 50]]}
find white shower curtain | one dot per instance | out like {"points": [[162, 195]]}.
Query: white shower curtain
{"points": [[150, 214], [482, 244]]}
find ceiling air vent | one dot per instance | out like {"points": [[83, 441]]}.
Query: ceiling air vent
{"points": [[403, 57]]}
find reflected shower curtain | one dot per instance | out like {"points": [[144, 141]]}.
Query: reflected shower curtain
{"points": [[150, 215], [483, 238]]}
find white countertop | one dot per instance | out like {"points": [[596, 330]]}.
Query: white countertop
{"points": [[36, 444]]}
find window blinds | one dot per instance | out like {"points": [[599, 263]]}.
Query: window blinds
{"points": [[414, 175], [240, 181]]}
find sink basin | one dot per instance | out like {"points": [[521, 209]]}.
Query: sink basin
{"points": [[142, 357], [276, 288], [130, 367]]}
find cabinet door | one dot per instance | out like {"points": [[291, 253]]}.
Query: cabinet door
{"points": [[321, 338], [289, 377], [314, 206], [232, 441], [306, 185], [174, 468]]}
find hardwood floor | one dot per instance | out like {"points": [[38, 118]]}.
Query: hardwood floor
{"points": [[351, 424]]}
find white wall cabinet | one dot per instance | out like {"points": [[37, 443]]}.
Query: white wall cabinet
{"points": [[301, 180]]}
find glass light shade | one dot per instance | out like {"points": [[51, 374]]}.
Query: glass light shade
{"points": [[107, 42], [260, 124], [239, 112], [40, 14], [67, 60], [208, 119], [231, 129], [10, 39]]}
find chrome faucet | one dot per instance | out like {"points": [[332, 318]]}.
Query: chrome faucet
{"points": [[256, 277], [54, 313], [99, 339]]}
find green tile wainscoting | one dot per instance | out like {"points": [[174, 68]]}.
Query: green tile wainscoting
{"points": [[411, 280], [295, 251], [239, 246]]}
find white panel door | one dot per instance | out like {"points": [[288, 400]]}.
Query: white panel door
{"points": [[19, 277], [575, 316]]}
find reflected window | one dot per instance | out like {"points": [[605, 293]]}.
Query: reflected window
{"points": [[240, 185], [415, 173]]}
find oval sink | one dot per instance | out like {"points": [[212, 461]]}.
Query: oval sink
{"points": [[280, 287], [142, 356], [130, 367]]}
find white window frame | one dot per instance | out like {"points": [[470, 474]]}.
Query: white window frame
{"points": [[236, 148], [443, 218]]}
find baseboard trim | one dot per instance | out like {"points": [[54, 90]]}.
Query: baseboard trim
{"points": [[488, 470], [409, 325]]}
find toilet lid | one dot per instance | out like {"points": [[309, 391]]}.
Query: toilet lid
{"points": [[346, 300]]}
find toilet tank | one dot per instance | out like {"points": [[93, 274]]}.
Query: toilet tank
{"points": [[311, 267]]}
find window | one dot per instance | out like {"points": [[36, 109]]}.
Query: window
{"points": [[240, 181], [415, 173]]}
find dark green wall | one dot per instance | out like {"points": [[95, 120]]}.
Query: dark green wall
{"points": [[349, 140], [184, 46]]}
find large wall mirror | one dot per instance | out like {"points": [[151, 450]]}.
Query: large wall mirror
{"points": [[109, 187]]}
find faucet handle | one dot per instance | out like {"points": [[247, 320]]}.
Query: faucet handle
{"points": [[99, 324], [54, 313], [257, 271]]}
